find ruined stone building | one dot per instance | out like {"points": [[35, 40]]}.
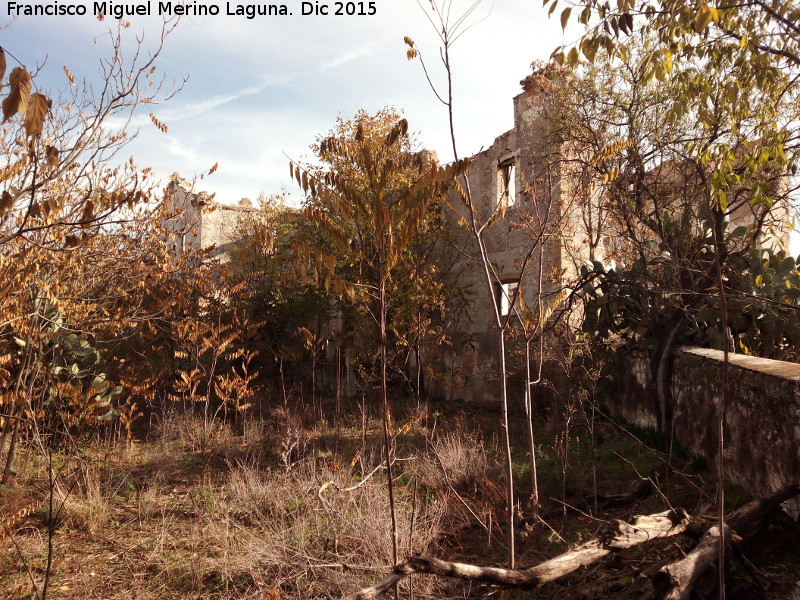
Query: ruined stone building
{"points": [[198, 222], [545, 225], [536, 239]]}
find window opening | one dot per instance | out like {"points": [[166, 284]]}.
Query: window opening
{"points": [[506, 292], [508, 191]]}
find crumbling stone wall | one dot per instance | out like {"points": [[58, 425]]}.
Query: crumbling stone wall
{"points": [[196, 221], [762, 429], [547, 171], [221, 223], [184, 218], [540, 178]]}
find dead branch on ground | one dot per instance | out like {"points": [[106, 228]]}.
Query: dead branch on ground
{"points": [[622, 535], [676, 580], [673, 581]]}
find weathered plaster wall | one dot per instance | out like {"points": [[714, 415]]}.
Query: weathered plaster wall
{"points": [[471, 362], [762, 429], [220, 227], [198, 222], [185, 216]]}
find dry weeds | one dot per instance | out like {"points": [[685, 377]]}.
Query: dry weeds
{"points": [[244, 519], [455, 458]]}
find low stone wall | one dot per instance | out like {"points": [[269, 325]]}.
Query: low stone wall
{"points": [[762, 433]]}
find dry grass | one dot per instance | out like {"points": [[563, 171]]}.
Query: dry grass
{"points": [[256, 515], [193, 432], [243, 519], [455, 458], [284, 530], [84, 503]]}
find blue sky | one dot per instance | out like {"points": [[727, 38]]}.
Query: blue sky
{"points": [[262, 89]]}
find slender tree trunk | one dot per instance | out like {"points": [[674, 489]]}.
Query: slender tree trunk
{"points": [[565, 459], [51, 524], [17, 422], [531, 437], [418, 358], [387, 438], [283, 383], [11, 425], [510, 509], [476, 231], [529, 382], [317, 409], [594, 456], [8, 422], [723, 305], [338, 417], [11, 448]]}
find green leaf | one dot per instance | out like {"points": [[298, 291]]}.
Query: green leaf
{"points": [[589, 47], [667, 61], [786, 266], [702, 18], [740, 231], [109, 415], [723, 200], [71, 342]]}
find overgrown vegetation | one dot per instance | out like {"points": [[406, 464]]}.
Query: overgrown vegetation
{"points": [[176, 427], [283, 509]]}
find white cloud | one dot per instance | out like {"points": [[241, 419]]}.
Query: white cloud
{"points": [[176, 149], [198, 108], [347, 57]]}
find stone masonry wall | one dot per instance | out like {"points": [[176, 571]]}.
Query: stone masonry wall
{"points": [[471, 361], [762, 433], [198, 222]]}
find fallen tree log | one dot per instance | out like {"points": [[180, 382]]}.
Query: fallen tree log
{"points": [[620, 536], [683, 574], [673, 581], [748, 520], [676, 580]]}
